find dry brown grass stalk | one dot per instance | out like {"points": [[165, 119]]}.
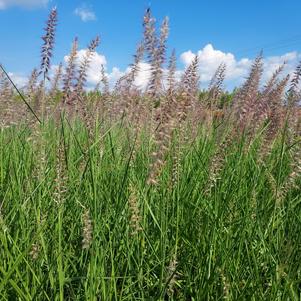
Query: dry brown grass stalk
{"points": [[87, 230], [69, 76], [134, 210], [61, 178]]}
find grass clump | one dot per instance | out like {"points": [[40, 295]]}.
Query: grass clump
{"points": [[154, 194], [80, 222]]}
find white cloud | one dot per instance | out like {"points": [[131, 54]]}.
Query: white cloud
{"points": [[114, 75], [93, 73], [85, 13], [142, 77], [274, 62], [210, 59], [23, 3], [97, 61], [19, 79], [237, 69]]}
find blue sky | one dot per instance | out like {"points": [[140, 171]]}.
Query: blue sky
{"points": [[230, 31]]}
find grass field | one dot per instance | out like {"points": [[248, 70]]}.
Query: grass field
{"points": [[78, 221], [128, 195]]}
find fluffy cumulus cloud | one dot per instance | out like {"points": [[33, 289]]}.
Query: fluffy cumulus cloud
{"points": [[114, 75], [94, 71], [272, 63], [142, 77], [23, 3], [209, 60], [85, 13], [98, 60], [237, 69], [20, 80]]}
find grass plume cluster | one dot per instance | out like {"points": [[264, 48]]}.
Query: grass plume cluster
{"points": [[166, 193]]}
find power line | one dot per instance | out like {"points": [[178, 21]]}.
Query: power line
{"points": [[272, 46]]}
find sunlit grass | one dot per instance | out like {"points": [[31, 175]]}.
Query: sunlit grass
{"points": [[239, 240]]}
